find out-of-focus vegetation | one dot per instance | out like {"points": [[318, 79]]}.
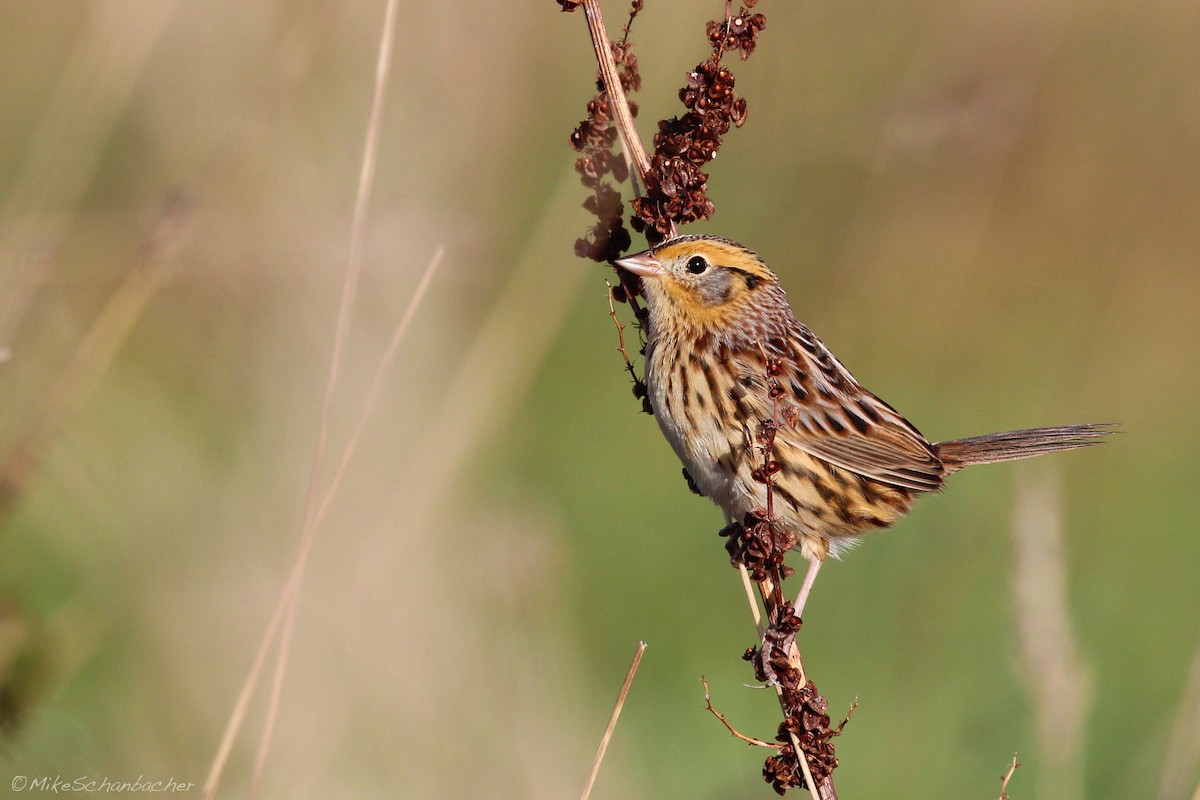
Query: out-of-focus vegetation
{"points": [[990, 211]]}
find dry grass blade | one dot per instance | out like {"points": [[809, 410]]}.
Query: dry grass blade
{"points": [[366, 182], [612, 720], [286, 610], [376, 388], [462, 424], [238, 715], [68, 143], [1183, 745], [1059, 682], [98, 347], [286, 595]]}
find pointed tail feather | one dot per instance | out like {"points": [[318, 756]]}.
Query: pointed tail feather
{"points": [[1011, 445]]}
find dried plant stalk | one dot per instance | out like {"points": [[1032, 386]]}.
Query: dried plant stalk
{"points": [[612, 720], [616, 94], [1059, 681], [1006, 777], [98, 348], [675, 194]]}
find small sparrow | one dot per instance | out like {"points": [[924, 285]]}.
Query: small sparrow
{"points": [[848, 462]]}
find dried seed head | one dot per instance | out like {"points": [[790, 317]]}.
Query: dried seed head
{"points": [[741, 33]]}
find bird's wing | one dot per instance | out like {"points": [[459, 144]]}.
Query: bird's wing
{"points": [[822, 410]]}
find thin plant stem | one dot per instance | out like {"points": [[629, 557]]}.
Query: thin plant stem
{"points": [[748, 585], [376, 388], [738, 734], [612, 720], [1006, 777], [442, 452], [766, 590], [630, 140], [285, 596], [238, 715], [1059, 680], [345, 313]]}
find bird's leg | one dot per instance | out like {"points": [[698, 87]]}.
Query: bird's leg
{"points": [[810, 577]]}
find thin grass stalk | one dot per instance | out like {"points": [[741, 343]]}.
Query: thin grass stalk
{"points": [[612, 721]]}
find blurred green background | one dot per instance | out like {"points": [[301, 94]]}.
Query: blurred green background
{"points": [[990, 211]]}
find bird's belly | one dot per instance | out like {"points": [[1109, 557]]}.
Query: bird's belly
{"points": [[825, 507], [706, 455], [717, 459]]}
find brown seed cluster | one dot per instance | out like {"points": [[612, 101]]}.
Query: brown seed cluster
{"points": [[677, 185], [805, 711], [757, 543], [594, 140], [808, 719], [737, 33]]}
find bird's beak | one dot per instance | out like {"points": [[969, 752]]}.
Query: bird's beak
{"points": [[644, 264]]}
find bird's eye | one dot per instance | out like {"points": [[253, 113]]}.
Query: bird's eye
{"points": [[696, 265]]}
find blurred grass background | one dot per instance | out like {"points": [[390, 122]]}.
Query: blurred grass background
{"points": [[988, 210]]}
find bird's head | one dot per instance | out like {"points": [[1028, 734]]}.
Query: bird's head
{"points": [[703, 283]]}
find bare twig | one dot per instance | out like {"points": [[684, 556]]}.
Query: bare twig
{"points": [[1006, 777], [846, 719], [748, 739], [612, 720], [639, 386]]}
